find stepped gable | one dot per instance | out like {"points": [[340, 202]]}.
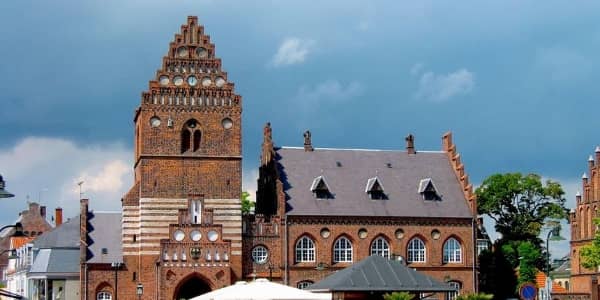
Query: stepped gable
{"points": [[191, 76]]}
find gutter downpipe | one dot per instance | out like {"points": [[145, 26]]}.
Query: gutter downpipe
{"points": [[473, 226], [285, 279], [85, 280]]}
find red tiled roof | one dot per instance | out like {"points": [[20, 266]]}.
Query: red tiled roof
{"points": [[17, 242], [540, 280]]}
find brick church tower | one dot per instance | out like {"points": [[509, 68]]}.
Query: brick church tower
{"points": [[181, 229], [582, 224]]}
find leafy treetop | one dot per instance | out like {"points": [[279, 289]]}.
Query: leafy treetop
{"points": [[520, 204], [590, 254]]}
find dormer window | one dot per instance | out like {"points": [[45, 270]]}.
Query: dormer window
{"points": [[320, 188], [375, 189], [428, 190]]}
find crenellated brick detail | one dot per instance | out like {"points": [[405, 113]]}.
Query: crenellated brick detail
{"points": [[459, 169], [583, 229]]}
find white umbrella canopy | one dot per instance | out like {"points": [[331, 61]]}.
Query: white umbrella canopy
{"points": [[261, 289]]}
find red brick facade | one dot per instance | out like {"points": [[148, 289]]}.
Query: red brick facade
{"points": [[181, 219], [582, 225], [182, 228], [34, 223], [279, 233]]}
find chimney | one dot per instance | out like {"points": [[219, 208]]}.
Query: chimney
{"points": [[308, 142], [410, 144], [43, 211], [58, 218]]}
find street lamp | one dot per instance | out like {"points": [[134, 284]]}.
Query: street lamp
{"points": [[3, 192], [139, 290], [554, 235]]}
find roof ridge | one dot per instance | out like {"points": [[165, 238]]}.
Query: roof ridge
{"points": [[360, 149]]}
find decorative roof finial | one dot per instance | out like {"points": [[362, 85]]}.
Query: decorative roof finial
{"points": [[308, 142], [410, 144], [267, 146]]}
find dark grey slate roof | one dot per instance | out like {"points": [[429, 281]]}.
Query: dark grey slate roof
{"points": [[56, 261], [64, 236], [347, 182], [104, 230], [376, 273]]}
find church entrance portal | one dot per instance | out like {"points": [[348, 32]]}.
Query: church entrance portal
{"points": [[190, 288]]}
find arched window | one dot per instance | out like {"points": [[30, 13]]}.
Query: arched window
{"points": [[342, 250], [416, 251], [380, 247], [453, 295], [590, 223], [104, 296], [185, 140], [305, 250], [197, 138], [304, 284], [452, 251]]}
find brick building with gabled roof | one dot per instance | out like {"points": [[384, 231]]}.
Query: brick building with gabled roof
{"points": [[319, 210]]}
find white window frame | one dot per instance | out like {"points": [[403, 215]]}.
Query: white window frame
{"points": [[452, 251], [104, 296], [342, 250], [416, 251], [260, 254], [453, 295], [482, 245], [304, 284], [305, 250], [381, 247]]}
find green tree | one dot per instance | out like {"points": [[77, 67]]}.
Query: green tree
{"points": [[590, 254], [520, 204], [398, 296], [528, 256], [247, 204], [478, 296]]}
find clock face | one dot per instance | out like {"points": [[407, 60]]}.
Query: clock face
{"points": [[195, 235], [192, 80], [202, 52], [164, 80], [212, 235], [220, 81], [155, 121], [227, 123], [178, 80], [182, 51], [178, 235], [206, 81]]}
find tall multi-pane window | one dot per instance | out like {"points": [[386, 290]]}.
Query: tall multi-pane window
{"points": [[380, 247], [416, 251], [452, 251], [453, 295], [342, 250], [305, 250]]}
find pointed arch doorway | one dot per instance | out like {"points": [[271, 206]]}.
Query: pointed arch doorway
{"points": [[190, 287]]}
